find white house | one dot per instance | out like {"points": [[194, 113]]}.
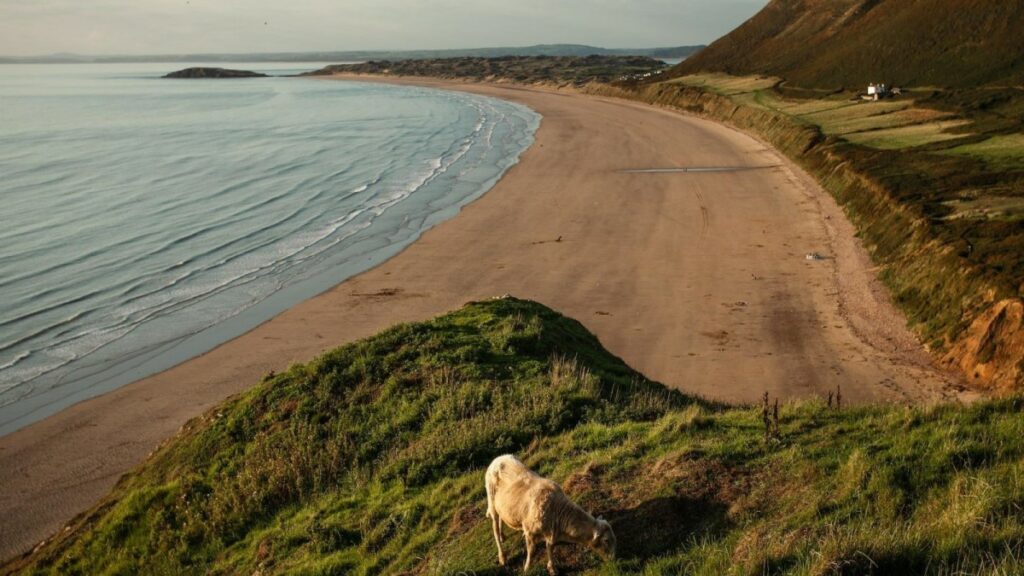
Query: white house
{"points": [[876, 91]]}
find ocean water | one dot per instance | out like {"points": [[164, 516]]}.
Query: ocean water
{"points": [[144, 221]]}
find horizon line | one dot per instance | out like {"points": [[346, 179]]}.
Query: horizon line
{"points": [[66, 54]]}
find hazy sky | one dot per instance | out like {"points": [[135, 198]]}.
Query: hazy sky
{"points": [[29, 27]]}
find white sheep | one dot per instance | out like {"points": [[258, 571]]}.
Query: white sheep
{"points": [[526, 501]]}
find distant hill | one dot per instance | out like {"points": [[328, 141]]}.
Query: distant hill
{"points": [[849, 43], [364, 55], [560, 70]]}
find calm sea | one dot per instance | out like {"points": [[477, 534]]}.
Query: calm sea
{"points": [[144, 221]]}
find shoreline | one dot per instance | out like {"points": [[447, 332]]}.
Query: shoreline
{"points": [[697, 280], [100, 377]]}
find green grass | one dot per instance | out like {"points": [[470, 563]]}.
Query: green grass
{"points": [[1003, 151], [369, 460]]}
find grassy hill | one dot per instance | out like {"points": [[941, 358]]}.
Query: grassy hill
{"points": [[849, 43], [369, 460]]}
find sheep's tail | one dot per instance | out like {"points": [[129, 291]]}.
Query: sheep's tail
{"points": [[490, 479], [496, 473]]}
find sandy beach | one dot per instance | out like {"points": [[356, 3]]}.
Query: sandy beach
{"points": [[700, 279]]}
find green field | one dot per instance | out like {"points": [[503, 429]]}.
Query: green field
{"points": [[1003, 151], [883, 125], [369, 460]]}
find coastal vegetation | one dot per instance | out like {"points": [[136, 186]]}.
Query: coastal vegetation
{"points": [[561, 71], [370, 459]]}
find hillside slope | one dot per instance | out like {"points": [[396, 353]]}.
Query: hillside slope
{"points": [[849, 43], [369, 460]]}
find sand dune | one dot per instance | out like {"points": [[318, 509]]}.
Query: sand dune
{"points": [[697, 278]]}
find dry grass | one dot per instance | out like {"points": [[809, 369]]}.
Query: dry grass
{"points": [[728, 85], [805, 107], [838, 120], [898, 119], [909, 136], [987, 208], [886, 124]]}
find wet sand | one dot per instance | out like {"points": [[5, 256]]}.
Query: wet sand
{"points": [[698, 279]]}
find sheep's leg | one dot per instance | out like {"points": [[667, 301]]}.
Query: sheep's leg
{"points": [[496, 528], [529, 550], [550, 544]]}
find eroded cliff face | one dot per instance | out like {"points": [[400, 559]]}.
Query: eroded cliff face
{"points": [[991, 351]]}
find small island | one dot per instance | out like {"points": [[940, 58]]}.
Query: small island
{"points": [[200, 72]]}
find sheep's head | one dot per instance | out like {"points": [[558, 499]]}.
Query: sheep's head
{"points": [[604, 539]]}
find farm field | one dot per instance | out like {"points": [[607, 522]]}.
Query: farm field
{"points": [[884, 124], [1002, 151]]}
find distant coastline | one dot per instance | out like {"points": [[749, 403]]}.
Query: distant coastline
{"points": [[672, 52]]}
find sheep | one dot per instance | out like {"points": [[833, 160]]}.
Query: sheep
{"points": [[524, 500]]}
